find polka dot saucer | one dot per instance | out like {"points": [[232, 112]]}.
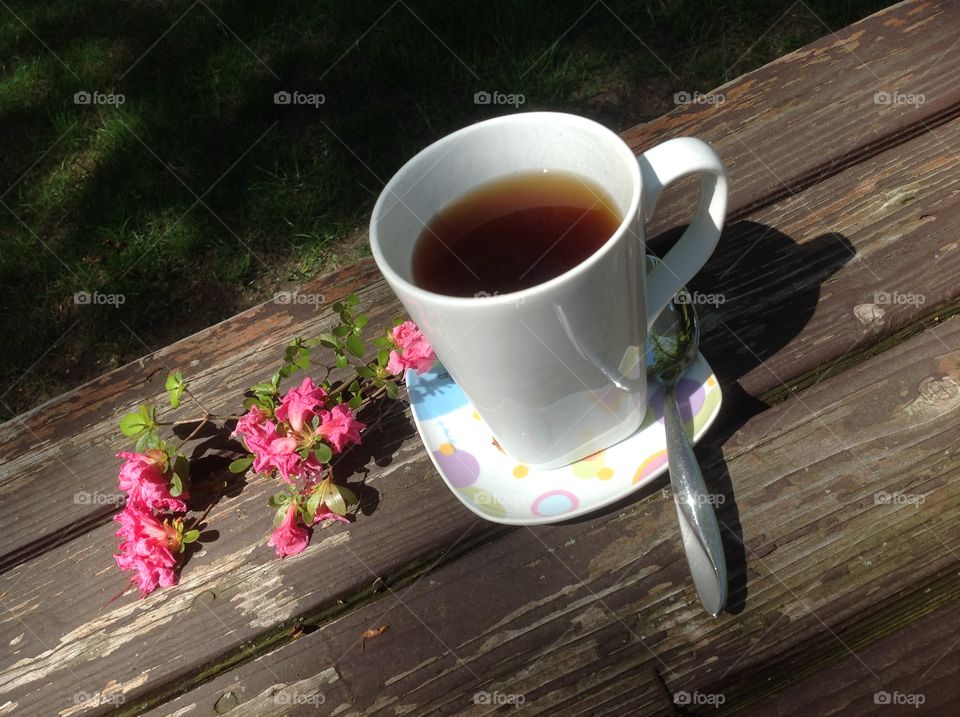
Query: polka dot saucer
{"points": [[502, 490]]}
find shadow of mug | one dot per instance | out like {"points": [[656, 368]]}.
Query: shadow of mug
{"points": [[765, 288]]}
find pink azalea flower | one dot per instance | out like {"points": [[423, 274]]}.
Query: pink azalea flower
{"points": [[251, 423], [290, 537], [148, 547], [324, 513], [339, 427], [146, 484], [301, 404], [412, 350], [273, 450]]}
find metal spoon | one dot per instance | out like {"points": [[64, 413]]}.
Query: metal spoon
{"points": [[672, 345]]}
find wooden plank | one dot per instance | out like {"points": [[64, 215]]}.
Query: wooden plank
{"points": [[574, 617], [837, 271], [55, 438], [812, 113], [910, 670]]}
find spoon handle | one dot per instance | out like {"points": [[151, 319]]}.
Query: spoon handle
{"points": [[698, 522]]}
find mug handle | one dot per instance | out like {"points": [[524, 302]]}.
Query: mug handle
{"points": [[659, 166]]}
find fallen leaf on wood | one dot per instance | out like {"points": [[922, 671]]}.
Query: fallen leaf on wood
{"points": [[370, 634]]}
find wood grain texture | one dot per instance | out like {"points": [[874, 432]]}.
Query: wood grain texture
{"points": [[874, 209], [576, 617]]}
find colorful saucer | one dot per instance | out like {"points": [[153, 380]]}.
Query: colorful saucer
{"points": [[502, 490]]}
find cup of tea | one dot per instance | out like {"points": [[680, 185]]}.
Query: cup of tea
{"points": [[517, 246]]}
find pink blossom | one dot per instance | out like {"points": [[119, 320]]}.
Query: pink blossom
{"points": [[301, 404], [147, 486], [274, 450], [339, 427], [412, 350], [324, 513], [290, 537], [251, 423], [148, 547]]}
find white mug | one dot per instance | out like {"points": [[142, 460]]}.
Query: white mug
{"points": [[556, 370]]}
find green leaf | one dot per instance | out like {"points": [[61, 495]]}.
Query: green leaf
{"points": [[304, 453], [365, 372], [335, 500], [322, 453], [352, 300], [190, 536], [398, 320], [176, 485], [313, 503], [302, 362], [341, 361], [327, 339], [383, 357], [175, 387], [181, 466], [340, 331], [338, 307], [133, 424], [241, 464], [346, 317], [355, 345], [382, 342], [361, 321], [281, 514], [248, 402], [264, 388], [349, 497], [279, 500], [285, 370], [392, 390], [355, 402]]}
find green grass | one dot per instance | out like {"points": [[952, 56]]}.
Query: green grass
{"points": [[92, 203]]}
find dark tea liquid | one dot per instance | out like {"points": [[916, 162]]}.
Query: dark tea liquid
{"points": [[513, 233]]}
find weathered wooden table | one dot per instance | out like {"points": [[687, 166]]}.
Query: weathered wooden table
{"points": [[839, 354]]}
